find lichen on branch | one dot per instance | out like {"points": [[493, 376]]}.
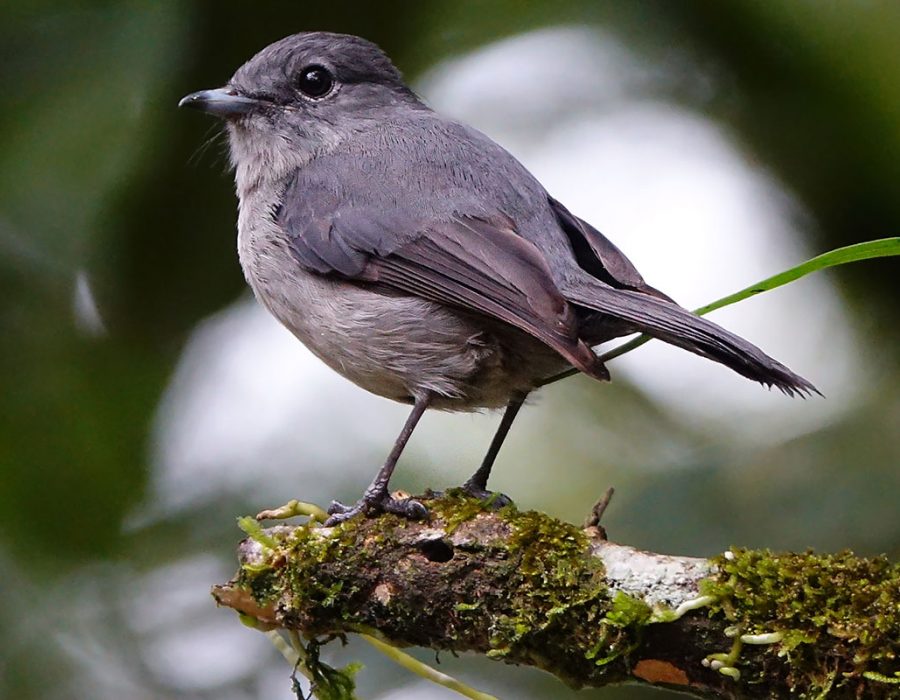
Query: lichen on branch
{"points": [[527, 589]]}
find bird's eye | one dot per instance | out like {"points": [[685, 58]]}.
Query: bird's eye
{"points": [[315, 81]]}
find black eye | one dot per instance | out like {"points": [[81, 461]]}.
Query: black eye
{"points": [[315, 81]]}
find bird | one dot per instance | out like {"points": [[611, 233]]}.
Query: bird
{"points": [[417, 257]]}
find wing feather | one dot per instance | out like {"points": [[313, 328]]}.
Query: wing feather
{"points": [[471, 263]]}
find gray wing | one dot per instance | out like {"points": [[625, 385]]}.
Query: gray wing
{"points": [[478, 264], [596, 254]]}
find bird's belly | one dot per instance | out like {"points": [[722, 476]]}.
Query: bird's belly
{"points": [[396, 346]]}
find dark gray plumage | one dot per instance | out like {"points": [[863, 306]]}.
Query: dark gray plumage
{"points": [[417, 257]]}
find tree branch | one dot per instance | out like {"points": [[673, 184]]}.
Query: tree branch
{"points": [[527, 589]]}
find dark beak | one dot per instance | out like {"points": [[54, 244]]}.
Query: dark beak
{"points": [[221, 102]]}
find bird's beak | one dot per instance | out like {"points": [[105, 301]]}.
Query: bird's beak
{"points": [[222, 102]]}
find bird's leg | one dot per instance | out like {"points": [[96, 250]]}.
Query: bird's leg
{"points": [[476, 485], [376, 497]]}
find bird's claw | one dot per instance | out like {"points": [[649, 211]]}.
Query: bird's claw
{"points": [[493, 500], [373, 505], [339, 513], [408, 508]]}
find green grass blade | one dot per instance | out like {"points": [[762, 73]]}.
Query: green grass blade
{"points": [[882, 248]]}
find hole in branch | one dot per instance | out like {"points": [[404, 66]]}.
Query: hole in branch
{"points": [[437, 550]]}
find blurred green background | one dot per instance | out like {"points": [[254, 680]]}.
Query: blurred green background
{"points": [[146, 401]]}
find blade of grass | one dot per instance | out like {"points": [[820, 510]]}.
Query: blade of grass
{"points": [[881, 248], [424, 670]]}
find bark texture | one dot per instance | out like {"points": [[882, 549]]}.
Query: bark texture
{"points": [[527, 589]]}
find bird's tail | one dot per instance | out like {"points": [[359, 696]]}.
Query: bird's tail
{"points": [[678, 326]]}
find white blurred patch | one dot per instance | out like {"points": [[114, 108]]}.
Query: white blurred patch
{"points": [[251, 411], [170, 596], [419, 691], [183, 644], [84, 307], [210, 652], [515, 84]]}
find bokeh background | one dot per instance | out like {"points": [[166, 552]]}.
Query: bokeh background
{"points": [[145, 400]]}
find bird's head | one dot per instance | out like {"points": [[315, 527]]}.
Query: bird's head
{"points": [[301, 96]]}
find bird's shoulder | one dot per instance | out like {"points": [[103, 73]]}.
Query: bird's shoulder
{"points": [[441, 165]]}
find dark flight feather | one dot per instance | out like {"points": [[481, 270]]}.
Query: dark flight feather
{"points": [[678, 326], [621, 292], [599, 256]]}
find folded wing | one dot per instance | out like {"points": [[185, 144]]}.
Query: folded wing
{"points": [[471, 263]]}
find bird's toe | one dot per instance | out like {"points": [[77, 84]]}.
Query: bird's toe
{"points": [[375, 504]]}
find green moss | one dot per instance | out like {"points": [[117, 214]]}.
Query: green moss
{"points": [[329, 683], [620, 629], [455, 507], [254, 531], [559, 591], [337, 549], [828, 608], [553, 574], [264, 584], [628, 611], [881, 678], [268, 580]]}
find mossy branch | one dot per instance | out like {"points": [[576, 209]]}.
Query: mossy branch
{"points": [[527, 589]]}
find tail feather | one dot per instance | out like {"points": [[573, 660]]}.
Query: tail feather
{"points": [[675, 325]]}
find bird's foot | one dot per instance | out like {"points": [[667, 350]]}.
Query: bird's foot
{"points": [[374, 504], [493, 500]]}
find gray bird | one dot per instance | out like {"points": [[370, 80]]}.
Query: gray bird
{"points": [[418, 258]]}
